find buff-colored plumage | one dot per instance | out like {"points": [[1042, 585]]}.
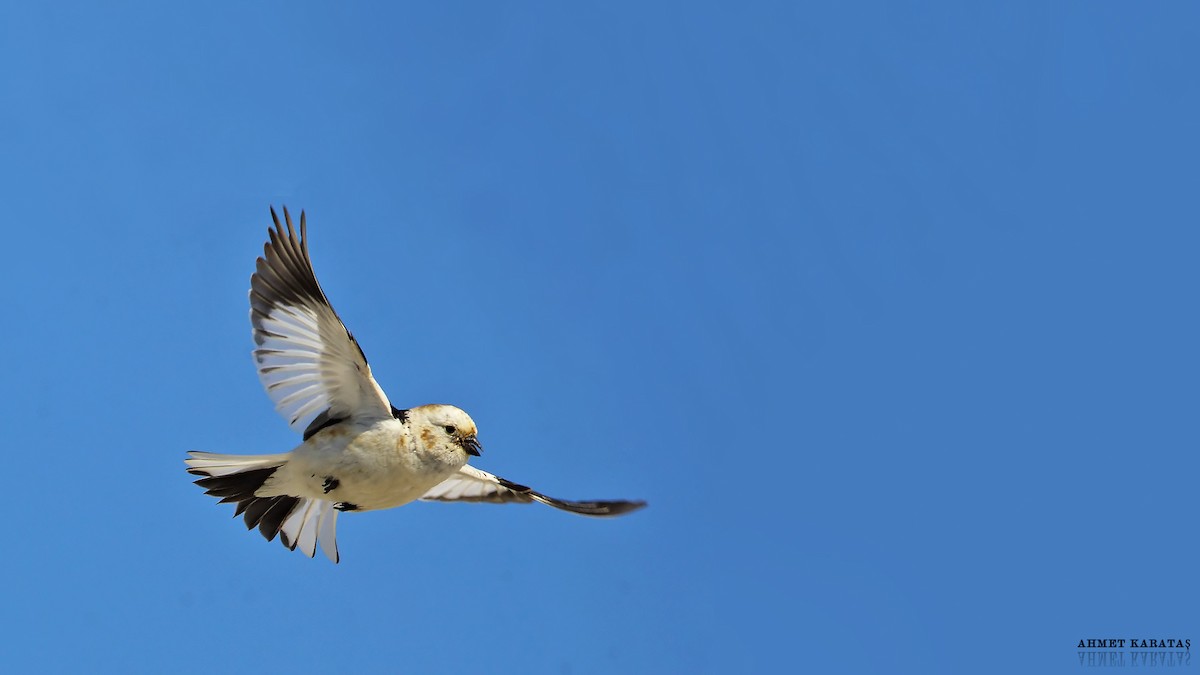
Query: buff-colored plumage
{"points": [[359, 452]]}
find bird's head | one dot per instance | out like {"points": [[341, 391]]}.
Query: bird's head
{"points": [[438, 424]]}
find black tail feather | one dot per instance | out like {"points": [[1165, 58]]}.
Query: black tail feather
{"points": [[266, 513]]}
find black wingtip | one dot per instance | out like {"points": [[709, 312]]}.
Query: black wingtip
{"points": [[275, 219], [621, 507], [605, 509], [600, 508]]}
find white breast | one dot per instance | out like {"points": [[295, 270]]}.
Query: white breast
{"points": [[373, 467]]}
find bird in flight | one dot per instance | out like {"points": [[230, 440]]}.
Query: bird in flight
{"points": [[359, 452]]}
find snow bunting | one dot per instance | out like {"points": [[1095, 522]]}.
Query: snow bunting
{"points": [[360, 453]]}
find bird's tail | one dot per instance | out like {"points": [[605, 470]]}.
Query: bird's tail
{"points": [[300, 522]]}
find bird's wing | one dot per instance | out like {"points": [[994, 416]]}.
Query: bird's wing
{"points": [[472, 485], [310, 364]]}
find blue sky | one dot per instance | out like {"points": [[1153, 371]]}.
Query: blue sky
{"points": [[887, 309]]}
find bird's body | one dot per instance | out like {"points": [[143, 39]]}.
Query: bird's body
{"points": [[359, 452], [366, 467]]}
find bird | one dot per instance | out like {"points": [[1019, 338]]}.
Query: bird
{"points": [[358, 451]]}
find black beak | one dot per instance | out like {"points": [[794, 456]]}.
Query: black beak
{"points": [[471, 445]]}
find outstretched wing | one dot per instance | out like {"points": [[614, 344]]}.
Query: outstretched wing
{"points": [[472, 485], [310, 364]]}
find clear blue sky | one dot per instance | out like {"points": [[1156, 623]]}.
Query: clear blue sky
{"points": [[889, 310]]}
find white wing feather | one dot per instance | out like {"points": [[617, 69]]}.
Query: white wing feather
{"points": [[308, 361]]}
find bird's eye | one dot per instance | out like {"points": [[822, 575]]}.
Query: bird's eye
{"points": [[450, 429]]}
